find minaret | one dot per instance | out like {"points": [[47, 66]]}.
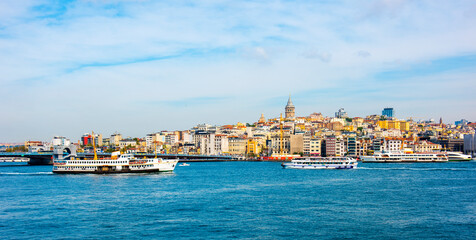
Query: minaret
{"points": [[289, 108]]}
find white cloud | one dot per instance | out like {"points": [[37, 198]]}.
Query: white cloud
{"points": [[108, 58], [363, 53]]}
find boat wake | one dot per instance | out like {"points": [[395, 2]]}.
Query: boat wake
{"points": [[31, 173], [418, 169]]}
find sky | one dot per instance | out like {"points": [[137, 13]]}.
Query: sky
{"points": [[138, 67]]}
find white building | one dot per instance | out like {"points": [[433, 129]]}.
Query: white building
{"points": [[214, 144], [154, 139], [114, 139], [315, 147], [187, 137], [60, 141], [393, 145], [127, 142], [171, 139]]}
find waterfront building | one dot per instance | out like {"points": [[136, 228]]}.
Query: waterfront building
{"points": [[355, 147], [198, 137], [424, 146], [221, 144], [335, 146], [212, 144], [154, 139], [186, 137], [253, 147], [33, 143], [451, 144], [377, 144], [315, 147], [189, 148], [297, 144], [392, 145], [171, 139], [277, 143], [149, 140], [388, 112], [306, 144], [289, 109], [37, 146], [127, 142], [236, 145]]}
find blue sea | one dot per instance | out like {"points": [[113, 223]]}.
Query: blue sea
{"points": [[244, 200]]}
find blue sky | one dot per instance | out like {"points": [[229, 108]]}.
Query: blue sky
{"points": [[137, 67]]}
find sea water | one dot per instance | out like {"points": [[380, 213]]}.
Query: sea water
{"points": [[245, 200]]}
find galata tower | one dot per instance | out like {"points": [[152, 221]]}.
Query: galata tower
{"points": [[289, 109]]}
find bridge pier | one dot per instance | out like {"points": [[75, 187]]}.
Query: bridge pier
{"points": [[40, 160]]}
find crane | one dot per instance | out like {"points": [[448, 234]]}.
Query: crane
{"points": [[94, 147], [281, 134]]}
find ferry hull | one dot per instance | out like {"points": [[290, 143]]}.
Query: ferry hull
{"points": [[110, 171], [460, 160], [294, 166], [401, 161], [321, 163], [405, 158]]}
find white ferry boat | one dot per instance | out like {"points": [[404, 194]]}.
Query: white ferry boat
{"points": [[321, 163], [396, 157], [126, 163], [458, 156]]}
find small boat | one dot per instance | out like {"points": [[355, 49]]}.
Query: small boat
{"points": [[398, 157], [321, 163], [458, 156], [184, 164]]}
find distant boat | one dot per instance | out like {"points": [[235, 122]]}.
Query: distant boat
{"points": [[184, 164], [397, 157], [321, 163], [458, 156]]}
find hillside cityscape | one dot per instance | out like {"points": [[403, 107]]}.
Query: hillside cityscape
{"points": [[288, 136]]}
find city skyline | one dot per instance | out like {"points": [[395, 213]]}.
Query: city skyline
{"points": [[140, 66]]}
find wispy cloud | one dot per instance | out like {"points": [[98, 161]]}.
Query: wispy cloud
{"points": [[323, 56], [109, 58], [192, 102]]}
